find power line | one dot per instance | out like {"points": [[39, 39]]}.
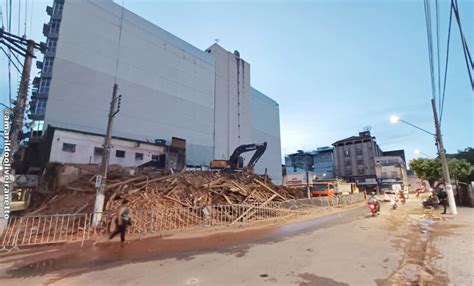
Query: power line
{"points": [[430, 45], [119, 41], [446, 65], [437, 51], [31, 17], [467, 54], [10, 59], [26, 14]]}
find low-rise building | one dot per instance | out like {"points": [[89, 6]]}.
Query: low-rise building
{"points": [[391, 173], [354, 160]]}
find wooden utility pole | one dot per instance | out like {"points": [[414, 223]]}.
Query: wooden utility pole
{"points": [[19, 111], [444, 162], [101, 181]]}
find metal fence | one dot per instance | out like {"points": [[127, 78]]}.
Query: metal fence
{"points": [[45, 229], [49, 229]]}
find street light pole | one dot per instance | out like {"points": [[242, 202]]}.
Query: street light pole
{"points": [[444, 162]]}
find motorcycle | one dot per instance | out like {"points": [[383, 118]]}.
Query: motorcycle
{"points": [[374, 208], [394, 203]]}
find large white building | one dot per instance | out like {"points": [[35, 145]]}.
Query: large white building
{"points": [[169, 89]]}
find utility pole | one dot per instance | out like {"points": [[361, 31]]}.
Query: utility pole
{"points": [[101, 180], [19, 111], [444, 162], [17, 44]]}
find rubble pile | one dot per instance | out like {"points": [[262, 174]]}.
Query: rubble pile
{"points": [[151, 189]]}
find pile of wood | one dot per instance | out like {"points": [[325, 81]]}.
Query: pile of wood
{"points": [[151, 190]]}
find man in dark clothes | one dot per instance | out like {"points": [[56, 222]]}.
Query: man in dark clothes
{"points": [[122, 221], [443, 198]]}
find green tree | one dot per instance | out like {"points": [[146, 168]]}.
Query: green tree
{"points": [[427, 169], [460, 169], [430, 169]]}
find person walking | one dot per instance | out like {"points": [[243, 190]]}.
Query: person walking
{"points": [[122, 221], [443, 198]]}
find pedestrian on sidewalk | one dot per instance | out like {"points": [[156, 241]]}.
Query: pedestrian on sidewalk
{"points": [[122, 221], [443, 198]]}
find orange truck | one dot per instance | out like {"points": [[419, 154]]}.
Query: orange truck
{"points": [[329, 188]]}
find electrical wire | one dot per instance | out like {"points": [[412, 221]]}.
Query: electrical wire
{"points": [[26, 15], [446, 65], [31, 17], [19, 16], [437, 51], [9, 63], [119, 41], [10, 59], [430, 45], [467, 54]]}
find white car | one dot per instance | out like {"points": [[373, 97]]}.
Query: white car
{"points": [[387, 195]]}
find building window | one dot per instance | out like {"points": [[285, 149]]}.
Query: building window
{"points": [[48, 65], [360, 162], [346, 153], [98, 151], [154, 157], [67, 147], [138, 156], [394, 174], [348, 163], [349, 172], [120, 154], [359, 152], [40, 107], [37, 128], [51, 44], [44, 85], [361, 171], [57, 8], [384, 174], [54, 26]]}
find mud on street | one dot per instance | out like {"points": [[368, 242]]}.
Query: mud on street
{"points": [[342, 247]]}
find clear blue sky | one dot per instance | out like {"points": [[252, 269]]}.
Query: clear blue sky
{"points": [[333, 66]]}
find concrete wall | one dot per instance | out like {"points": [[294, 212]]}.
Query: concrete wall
{"points": [[266, 128], [232, 110], [84, 149], [167, 84]]}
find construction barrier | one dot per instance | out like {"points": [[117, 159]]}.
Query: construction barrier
{"points": [[61, 228], [51, 229], [45, 229]]}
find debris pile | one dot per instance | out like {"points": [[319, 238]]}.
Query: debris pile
{"points": [[151, 189]]}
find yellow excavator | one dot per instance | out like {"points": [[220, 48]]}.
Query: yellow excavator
{"points": [[235, 161]]}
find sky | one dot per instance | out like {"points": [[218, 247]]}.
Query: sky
{"points": [[334, 67]]}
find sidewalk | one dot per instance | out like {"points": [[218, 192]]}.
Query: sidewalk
{"points": [[454, 239]]}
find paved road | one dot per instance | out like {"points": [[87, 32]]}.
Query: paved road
{"points": [[345, 248]]}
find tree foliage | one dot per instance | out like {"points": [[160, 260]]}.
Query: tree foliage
{"points": [[430, 169], [460, 170], [427, 169]]}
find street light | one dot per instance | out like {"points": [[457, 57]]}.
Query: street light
{"points": [[418, 152], [395, 119], [441, 152]]}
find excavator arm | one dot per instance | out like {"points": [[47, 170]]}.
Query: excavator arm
{"points": [[234, 158]]}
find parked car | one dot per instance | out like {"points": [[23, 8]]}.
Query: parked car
{"points": [[387, 195]]}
